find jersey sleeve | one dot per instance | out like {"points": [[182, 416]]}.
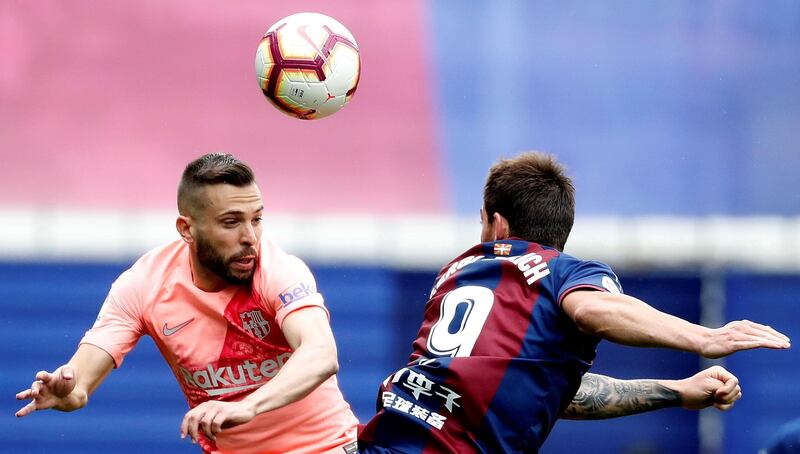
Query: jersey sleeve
{"points": [[290, 286], [119, 324], [587, 275]]}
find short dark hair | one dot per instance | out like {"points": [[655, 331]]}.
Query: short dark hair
{"points": [[533, 192], [210, 169]]}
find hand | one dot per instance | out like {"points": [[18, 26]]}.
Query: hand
{"points": [[713, 386], [742, 335], [50, 390], [214, 415]]}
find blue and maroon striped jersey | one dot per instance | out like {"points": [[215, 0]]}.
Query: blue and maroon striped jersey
{"points": [[496, 361]]}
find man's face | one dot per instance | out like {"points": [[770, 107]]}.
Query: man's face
{"points": [[227, 231]]}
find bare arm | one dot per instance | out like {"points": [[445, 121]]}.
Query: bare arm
{"points": [[68, 388], [627, 320], [313, 361], [602, 397]]}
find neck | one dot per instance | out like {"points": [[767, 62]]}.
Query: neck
{"points": [[205, 279]]}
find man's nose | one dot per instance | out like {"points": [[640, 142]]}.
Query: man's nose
{"points": [[248, 234]]}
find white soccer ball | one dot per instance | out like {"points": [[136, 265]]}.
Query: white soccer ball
{"points": [[308, 66]]}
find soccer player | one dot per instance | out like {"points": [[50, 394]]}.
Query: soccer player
{"points": [[239, 321], [512, 326]]}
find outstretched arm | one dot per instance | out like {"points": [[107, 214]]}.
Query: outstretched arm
{"points": [[68, 387], [602, 397], [627, 320]]}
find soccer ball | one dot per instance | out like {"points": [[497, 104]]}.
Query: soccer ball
{"points": [[308, 66]]}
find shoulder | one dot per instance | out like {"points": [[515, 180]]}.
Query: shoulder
{"points": [[273, 257], [279, 270], [569, 263], [575, 272], [467, 257], [153, 267], [283, 283]]}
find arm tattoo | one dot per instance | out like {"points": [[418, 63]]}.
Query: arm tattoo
{"points": [[601, 397]]}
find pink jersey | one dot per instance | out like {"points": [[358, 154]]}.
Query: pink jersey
{"points": [[224, 345]]}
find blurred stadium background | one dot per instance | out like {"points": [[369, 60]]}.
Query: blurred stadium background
{"points": [[679, 120]]}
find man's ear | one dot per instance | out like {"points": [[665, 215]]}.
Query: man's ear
{"points": [[184, 226], [500, 225]]}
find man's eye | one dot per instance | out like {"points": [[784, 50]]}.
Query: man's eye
{"points": [[257, 220], [230, 223]]}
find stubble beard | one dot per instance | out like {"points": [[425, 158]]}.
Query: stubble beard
{"points": [[221, 266]]}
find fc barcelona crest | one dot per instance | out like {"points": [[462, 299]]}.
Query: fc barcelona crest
{"points": [[254, 323]]}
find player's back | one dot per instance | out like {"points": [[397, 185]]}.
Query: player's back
{"points": [[496, 360]]}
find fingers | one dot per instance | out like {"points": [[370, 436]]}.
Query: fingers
{"points": [[35, 394], [743, 335], [729, 392], [722, 388], [22, 395], [26, 410], [767, 330], [751, 344], [718, 372], [209, 420], [216, 426], [66, 373], [44, 376], [758, 332], [60, 375], [727, 406], [41, 390], [192, 426], [191, 423], [36, 388], [185, 423]]}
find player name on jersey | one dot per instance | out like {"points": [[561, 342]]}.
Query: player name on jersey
{"points": [[531, 266]]}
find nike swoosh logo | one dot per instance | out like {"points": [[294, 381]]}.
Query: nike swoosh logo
{"points": [[301, 30], [170, 331]]}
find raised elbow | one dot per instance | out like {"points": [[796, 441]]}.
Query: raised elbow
{"points": [[590, 316]]}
